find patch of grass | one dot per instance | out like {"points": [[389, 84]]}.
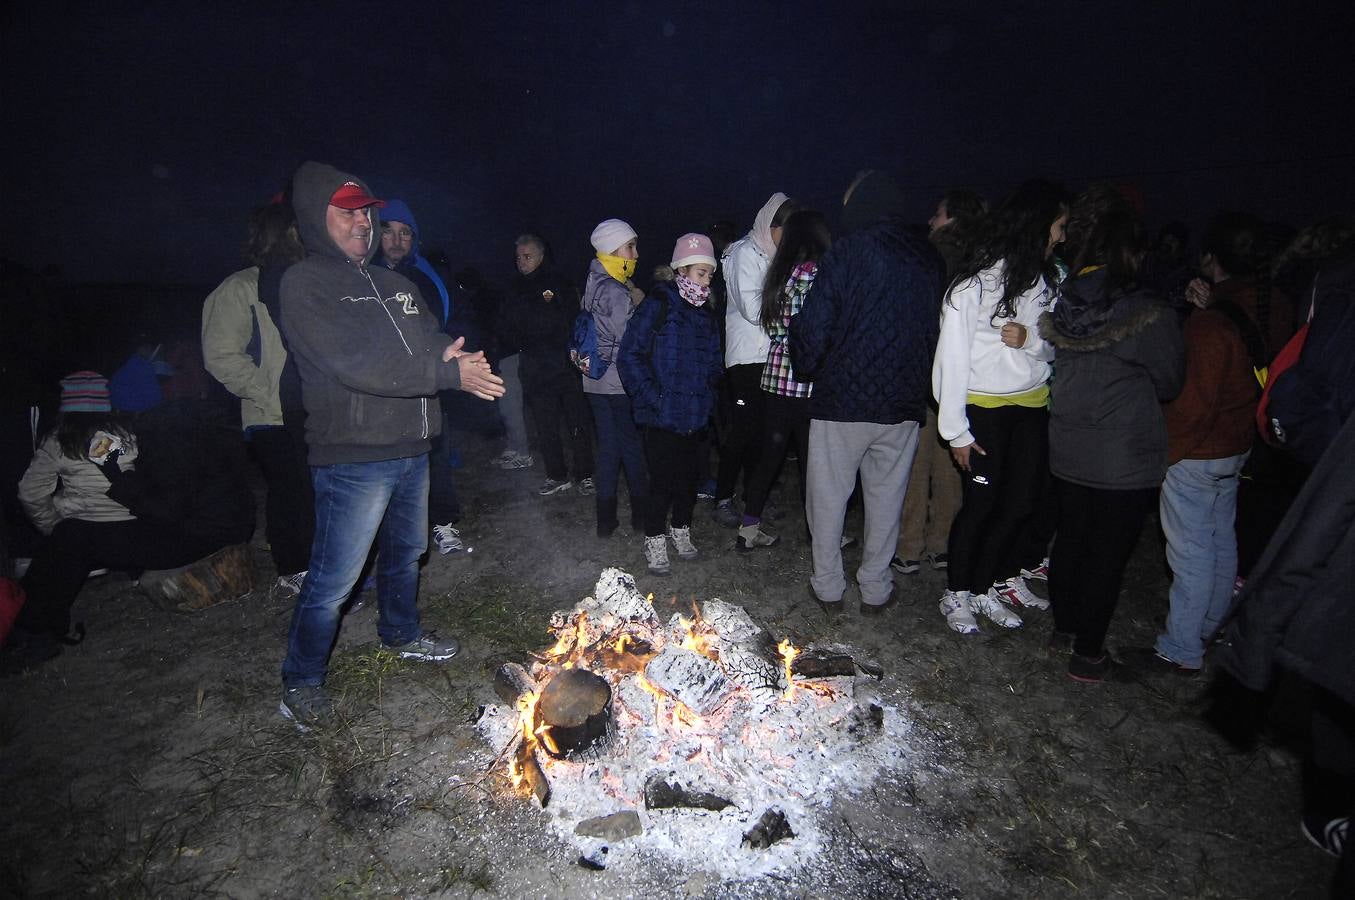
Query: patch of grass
{"points": [[497, 612], [361, 674]]}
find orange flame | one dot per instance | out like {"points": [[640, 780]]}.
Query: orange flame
{"points": [[788, 653], [621, 643]]}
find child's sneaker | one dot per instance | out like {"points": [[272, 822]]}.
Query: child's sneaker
{"points": [[955, 607], [1039, 573], [682, 542], [447, 538], [586, 487], [1014, 592], [989, 605], [752, 536], [656, 554]]}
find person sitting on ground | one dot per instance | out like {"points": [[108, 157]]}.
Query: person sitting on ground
{"points": [[670, 363]]}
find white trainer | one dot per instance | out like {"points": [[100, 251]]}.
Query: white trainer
{"points": [[1015, 592], [682, 542], [990, 606], [656, 554], [960, 618], [448, 539]]}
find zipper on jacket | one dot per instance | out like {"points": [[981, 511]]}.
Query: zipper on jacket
{"points": [[423, 409], [386, 310]]}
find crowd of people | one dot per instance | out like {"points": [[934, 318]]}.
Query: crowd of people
{"points": [[1009, 394]]}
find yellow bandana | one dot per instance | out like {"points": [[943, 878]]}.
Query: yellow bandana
{"points": [[618, 267]]}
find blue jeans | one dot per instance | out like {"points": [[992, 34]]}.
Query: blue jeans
{"points": [[354, 504], [618, 445], [1198, 505]]}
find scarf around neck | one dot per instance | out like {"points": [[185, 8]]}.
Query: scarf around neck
{"points": [[618, 267], [693, 293]]}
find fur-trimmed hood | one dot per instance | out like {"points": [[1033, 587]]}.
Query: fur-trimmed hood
{"points": [[1085, 318]]}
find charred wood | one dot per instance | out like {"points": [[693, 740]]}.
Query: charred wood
{"points": [[770, 829], [662, 794]]}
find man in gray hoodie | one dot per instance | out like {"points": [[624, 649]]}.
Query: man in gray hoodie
{"points": [[371, 360]]}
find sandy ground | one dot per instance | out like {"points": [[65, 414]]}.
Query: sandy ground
{"points": [[151, 761]]}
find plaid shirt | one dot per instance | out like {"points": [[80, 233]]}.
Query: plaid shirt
{"points": [[778, 377]]}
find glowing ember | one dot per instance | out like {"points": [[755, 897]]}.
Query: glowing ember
{"points": [[788, 654]]}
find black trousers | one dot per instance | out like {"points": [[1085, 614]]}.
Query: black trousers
{"points": [[998, 495], [75, 546], [672, 460], [1097, 532], [742, 441], [785, 419], [289, 515], [556, 405]]}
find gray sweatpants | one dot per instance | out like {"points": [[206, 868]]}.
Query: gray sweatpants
{"points": [[883, 454]]}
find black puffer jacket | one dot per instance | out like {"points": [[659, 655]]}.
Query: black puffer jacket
{"points": [[536, 319], [1117, 360]]}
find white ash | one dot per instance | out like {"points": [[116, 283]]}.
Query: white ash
{"points": [[795, 754], [690, 678]]}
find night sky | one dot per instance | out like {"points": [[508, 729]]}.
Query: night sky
{"points": [[137, 136]]}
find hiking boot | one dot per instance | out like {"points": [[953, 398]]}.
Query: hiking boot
{"points": [[725, 515], [656, 554], [428, 647], [1148, 661], [288, 586], [752, 536], [959, 616], [586, 487], [938, 561], [1327, 835], [554, 486], [994, 609], [447, 538], [306, 705], [1093, 669], [682, 542], [1039, 573], [1015, 592], [905, 566]]}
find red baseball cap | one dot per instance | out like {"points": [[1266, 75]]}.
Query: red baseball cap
{"points": [[352, 196]]}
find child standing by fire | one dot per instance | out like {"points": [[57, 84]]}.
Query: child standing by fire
{"points": [[670, 362]]}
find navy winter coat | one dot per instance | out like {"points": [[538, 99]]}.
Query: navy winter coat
{"points": [[671, 374], [867, 332]]}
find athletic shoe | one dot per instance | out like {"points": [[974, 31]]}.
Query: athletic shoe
{"points": [[428, 647], [447, 538], [522, 461], [505, 459], [905, 566], [306, 706], [725, 515], [1039, 573], [1015, 592], [682, 542], [656, 554], [752, 536], [959, 616], [553, 486], [586, 487], [1327, 835], [1094, 669], [1148, 661], [938, 560], [706, 491], [288, 586], [994, 609]]}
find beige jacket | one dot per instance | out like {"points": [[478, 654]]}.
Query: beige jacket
{"points": [[56, 487], [242, 349]]}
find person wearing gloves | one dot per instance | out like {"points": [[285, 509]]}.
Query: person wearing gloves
{"points": [[609, 295], [670, 362], [990, 378]]}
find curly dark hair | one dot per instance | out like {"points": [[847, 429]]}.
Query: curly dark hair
{"points": [[1017, 233], [804, 238], [1105, 230]]}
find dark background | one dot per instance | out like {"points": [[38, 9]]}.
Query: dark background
{"points": [[137, 136]]}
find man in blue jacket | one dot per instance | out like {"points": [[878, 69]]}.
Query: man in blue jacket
{"points": [[865, 338], [371, 360]]}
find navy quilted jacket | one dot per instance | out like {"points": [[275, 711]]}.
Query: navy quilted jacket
{"points": [[867, 332], [671, 374]]}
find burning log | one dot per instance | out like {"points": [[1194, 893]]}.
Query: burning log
{"points": [[529, 770], [511, 682], [817, 664], [772, 827], [662, 794], [746, 649], [688, 677], [626, 654], [574, 712]]}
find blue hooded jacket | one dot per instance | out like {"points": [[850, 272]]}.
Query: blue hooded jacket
{"points": [[670, 361], [399, 211]]}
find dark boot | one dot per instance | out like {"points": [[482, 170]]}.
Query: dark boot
{"points": [[607, 521]]}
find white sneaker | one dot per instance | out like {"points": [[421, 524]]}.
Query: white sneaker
{"points": [[682, 542], [448, 539], [1039, 573], [955, 607], [288, 586], [989, 605], [1015, 592], [656, 554]]}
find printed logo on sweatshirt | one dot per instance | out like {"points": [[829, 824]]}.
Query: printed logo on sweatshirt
{"points": [[407, 303]]}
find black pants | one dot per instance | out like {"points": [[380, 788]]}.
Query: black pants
{"points": [[785, 419], [1097, 533], [742, 441], [562, 404], [1032, 545], [75, 546], [289, 516], [444, 505], [672, 460], [998, 495]]}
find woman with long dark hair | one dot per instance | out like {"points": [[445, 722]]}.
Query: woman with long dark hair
{"points": [[804, 240], [990, 378], [1120, 356]]}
